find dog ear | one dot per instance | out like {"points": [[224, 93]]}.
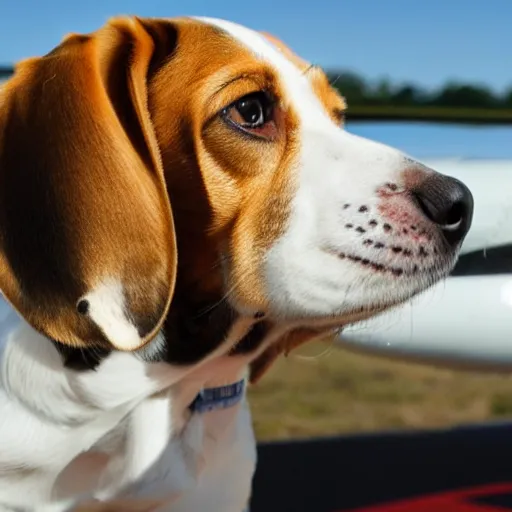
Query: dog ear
{"points": [[87, 245]]}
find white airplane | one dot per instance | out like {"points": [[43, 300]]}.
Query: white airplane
{"points": [[465, 321]]}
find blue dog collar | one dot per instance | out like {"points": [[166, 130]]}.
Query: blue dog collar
{"points": [[211, 399]]}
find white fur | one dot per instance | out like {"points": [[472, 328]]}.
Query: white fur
{"points": [[107, 310], [124, 430]]}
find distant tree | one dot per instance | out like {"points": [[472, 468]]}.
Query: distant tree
{"points": [[382, 93], [408, 95], [358, 91], [351, 86], [5, 72], [507, 99], [460, 95]]}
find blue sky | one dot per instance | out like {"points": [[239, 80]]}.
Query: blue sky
{"points": [[423, 41]]}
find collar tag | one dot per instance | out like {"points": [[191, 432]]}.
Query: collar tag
{"points": [[211, 399]]}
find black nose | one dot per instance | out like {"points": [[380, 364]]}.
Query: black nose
{"points": [[448, 203]]}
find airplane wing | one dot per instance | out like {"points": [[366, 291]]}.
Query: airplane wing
{"points": [[490, 181]]}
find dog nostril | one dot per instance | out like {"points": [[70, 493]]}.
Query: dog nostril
{"points": [[448, 203], [443, 214], [455, 216]]}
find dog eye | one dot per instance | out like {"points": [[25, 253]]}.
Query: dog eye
{"points": [[253, 113]]}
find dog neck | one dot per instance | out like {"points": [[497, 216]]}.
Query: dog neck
{"points": [[69, 386], [190, 334]]}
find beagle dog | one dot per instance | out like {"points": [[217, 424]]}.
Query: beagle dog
{"points": [[180, 204]]}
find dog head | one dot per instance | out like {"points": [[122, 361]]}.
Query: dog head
{"points": [[200, 138]]}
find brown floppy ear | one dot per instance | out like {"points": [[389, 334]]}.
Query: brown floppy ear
{"points": [[87, 244]]}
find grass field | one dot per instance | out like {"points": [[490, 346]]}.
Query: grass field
{"points": [[324, 391]]}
